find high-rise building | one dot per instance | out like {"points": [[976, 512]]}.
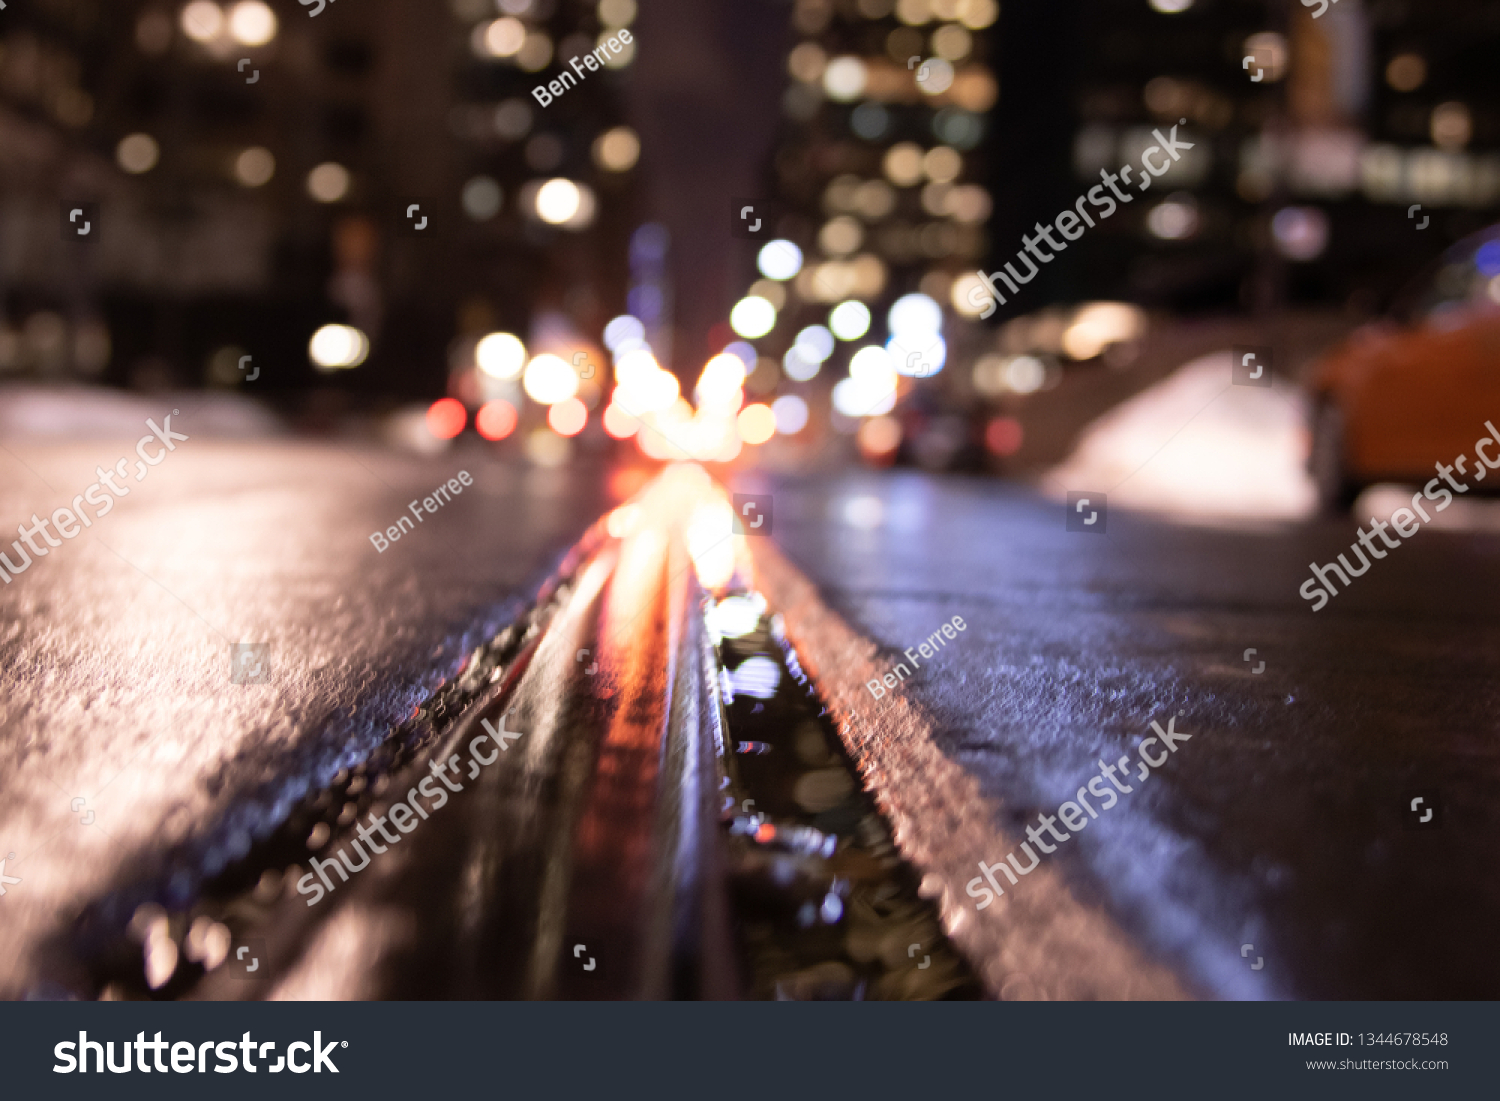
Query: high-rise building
{"points": [[261, 169], [1315, 128], [877, 202]]}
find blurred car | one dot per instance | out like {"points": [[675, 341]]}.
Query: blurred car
{"points": [[938, 433], [1411, 390]]}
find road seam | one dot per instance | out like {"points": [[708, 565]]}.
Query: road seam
{"points": [[1042, 943]]}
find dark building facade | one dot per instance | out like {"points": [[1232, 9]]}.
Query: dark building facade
{"points": [[261, 169]]}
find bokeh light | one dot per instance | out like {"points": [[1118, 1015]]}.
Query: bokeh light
{"points": [[1269, 55], [446, 418], [1025, 374], [903, 164], [779, 259], [619, 424], [329, 182], [752, 317], [870, 389], [617, 150], [1406, 72], [849, 320], [482, 198], [137, 153], [334, 347], [791, 414], [614, 60], [1451, 125], [878, 438], [814, 344], [622, 328], [942, 164], [939, 77], [1097, 325], [914, 12], [496, 419], [744, 352], [918, 355], [1174, 219], [1300, 232], [845, 78], [500, 355], [719, 385], [567, 418], [806, 62], [557, 201], [952, 42], [644, 387], [979, 14], [756, 423], [798, 367], [840, 236], [617, 13], [254, 167], [872, 365], [202, 21], [1003, 436], [549, 380], [915, 314], [500, 38], [252, 23]]}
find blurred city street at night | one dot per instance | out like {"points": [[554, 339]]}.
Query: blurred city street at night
{"points": [[836, 440]]}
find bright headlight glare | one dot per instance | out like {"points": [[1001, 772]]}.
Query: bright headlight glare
{"points": [[557, 201], [500, 355], [549, 380], [752, 317], [338, 346]]}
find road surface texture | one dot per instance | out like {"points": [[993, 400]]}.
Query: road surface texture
{"points": [[1274, 854], [593, 768], [123, 736], [165, 820]]}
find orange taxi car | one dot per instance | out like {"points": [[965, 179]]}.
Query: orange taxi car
{"points": [[1404, 393]]}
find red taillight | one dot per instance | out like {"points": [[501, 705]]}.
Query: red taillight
{"points": [[446, 418]]}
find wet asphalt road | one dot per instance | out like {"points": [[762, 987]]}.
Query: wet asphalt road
{"points": [[121, 733], [1283, 822], [1280, 824]]}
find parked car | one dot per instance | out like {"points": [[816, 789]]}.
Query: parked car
{"points": [[1413, 389]]}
